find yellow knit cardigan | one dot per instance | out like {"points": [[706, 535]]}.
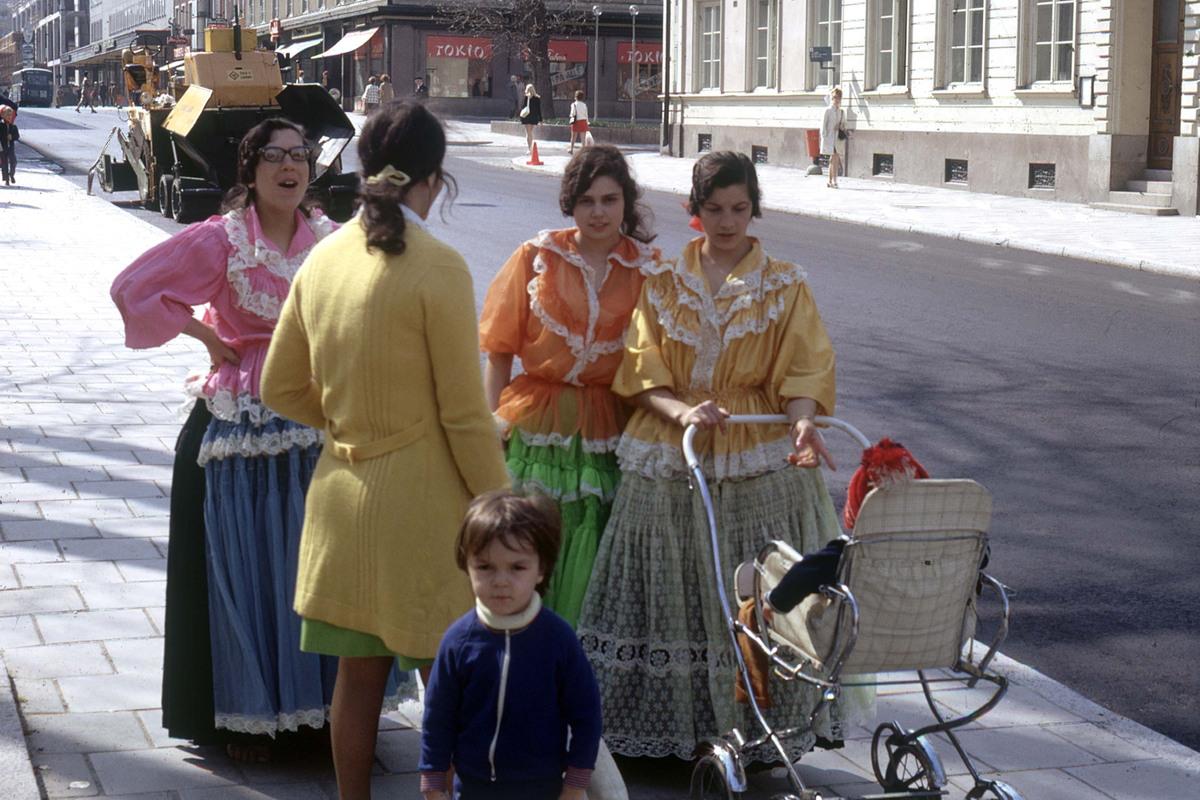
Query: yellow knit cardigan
{"points": [[382, 353]]}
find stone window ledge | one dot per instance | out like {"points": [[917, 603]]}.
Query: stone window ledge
{"points": [[1046, 90], [966, 91], [890, 90]]}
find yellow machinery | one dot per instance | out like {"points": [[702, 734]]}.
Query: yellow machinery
{"points": [[181, 157]]}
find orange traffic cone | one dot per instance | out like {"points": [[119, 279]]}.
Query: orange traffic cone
{"points": [[534, 161]]}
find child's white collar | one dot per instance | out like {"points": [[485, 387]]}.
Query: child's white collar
{"points": [[509, 622]]}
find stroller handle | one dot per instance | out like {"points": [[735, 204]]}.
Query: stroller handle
{"points": [[689, 435]]}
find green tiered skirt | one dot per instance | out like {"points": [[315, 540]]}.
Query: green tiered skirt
{"points": [[583, 484]]}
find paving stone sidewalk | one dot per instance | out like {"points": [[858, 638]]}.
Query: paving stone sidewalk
{"points": [[87, 430]]}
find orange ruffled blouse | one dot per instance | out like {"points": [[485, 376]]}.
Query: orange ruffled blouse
{"points": [[567, 325]]}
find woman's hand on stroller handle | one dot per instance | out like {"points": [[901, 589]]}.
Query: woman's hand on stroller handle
{"points": [[705, 415], [810, 446]]}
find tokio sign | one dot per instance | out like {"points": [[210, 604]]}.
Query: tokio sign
{"points": [[649, 53], [472, 47]]}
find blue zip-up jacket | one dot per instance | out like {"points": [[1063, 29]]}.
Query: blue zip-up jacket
{"points": [[550, 689]]}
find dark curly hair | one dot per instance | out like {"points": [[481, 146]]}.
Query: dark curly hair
{"points": [[520, 521], [409, 137], [719, 170], [241, 194], [599, 161]]}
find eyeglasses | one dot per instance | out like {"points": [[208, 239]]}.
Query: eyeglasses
{"points": [[275, 155]]}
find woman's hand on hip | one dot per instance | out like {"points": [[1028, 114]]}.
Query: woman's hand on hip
{"points": [[218, 352], [706, 415], [810, 449]]}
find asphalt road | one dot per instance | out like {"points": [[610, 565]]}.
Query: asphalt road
{"points": [[1070, 389]]}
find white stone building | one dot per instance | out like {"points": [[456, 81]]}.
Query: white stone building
{"points": [[1074, 100]]}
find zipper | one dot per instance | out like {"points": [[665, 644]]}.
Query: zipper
{"points": [[500, 702]]}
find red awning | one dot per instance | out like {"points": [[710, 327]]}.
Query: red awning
{"points": [[570, 51], [349, 43]]}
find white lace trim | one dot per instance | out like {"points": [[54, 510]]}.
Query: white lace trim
{"points": [[715, 332], [257, 444], [269, 726], [225, 406], [247, 256], [657, 460], [584, 349], [564, 441], [585, 490]]}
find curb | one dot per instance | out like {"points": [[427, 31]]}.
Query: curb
{"points": [[1135, 733], [16, 768], [1064, 251]]}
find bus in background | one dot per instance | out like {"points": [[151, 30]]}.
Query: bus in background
{"points": [[32, 86]]}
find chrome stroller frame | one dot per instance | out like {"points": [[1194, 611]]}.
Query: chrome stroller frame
{"points": [[904, 762]]}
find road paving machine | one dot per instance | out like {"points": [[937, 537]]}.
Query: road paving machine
{"points": [[181, 156]]}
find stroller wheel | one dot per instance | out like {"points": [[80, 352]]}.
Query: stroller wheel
{"points": [[998, 790], [709, 781], [888, 736], [914, 766]]}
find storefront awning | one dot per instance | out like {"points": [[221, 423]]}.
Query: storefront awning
{"points": [[349, 43], [296, 48]]}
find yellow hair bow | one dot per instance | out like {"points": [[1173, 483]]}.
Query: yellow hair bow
{"points": [[391, 175]]}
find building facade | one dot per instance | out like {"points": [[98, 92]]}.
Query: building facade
{"points": [[1063, 99], [466, 75], [54, 27]]}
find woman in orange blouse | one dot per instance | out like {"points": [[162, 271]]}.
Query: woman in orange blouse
{"points": [[561, 304]]}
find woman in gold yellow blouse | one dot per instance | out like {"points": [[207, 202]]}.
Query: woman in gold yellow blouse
{"points": [[723, 330]]}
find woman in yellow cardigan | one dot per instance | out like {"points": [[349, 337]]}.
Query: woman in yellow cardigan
{"points": [[377, 345]]}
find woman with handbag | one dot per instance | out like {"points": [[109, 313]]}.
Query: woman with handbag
{"points": [[579, 121], [531, 114], [833, 128]]}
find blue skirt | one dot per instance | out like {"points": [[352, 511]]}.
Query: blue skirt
{"points": [[256, 476]]}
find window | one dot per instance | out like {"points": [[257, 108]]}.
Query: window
{"points": [[641, 68], [765, 42], [1053, 37], [883, 165], [710, 46], [889, 42], [1041, 176], [758, 153], [457, 66], [704, 142], [826, 24], [966, 41], [956, 170]]}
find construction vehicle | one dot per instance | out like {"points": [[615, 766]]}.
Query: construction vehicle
{"points": [[181, 156]]}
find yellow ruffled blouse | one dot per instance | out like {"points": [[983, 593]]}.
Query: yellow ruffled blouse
{"points": [[754, 345]]}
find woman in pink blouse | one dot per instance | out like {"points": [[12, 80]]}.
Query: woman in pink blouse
{"points": [[232, 662]]}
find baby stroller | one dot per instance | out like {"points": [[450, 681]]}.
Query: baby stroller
{"points": [[905, 599]]}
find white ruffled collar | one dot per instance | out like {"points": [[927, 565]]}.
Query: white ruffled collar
{"points": [[509, 622], [249, 255]]}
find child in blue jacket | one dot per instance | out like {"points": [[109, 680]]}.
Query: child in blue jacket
{"points": [[512, 703]]}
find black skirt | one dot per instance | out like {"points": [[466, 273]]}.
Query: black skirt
{"points": [[187, 696]]}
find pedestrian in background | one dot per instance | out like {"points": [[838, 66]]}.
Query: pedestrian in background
{"points": [[544, 745], [833, 129], [378, 345], [578, 118], [420, 90], [722, 330], [232, 662], [387, 92], [9, 136], [325, 79], [86, 95], [561, 303], [370, 96], [531, 114], [514, 96]]}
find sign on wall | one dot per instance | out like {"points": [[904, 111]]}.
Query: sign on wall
{"points": [[650, 53], [470, 47]]}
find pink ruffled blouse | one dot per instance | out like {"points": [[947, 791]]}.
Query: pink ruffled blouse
{"points": [[227, 263]]}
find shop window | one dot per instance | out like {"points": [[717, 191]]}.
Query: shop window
{"points": [[956, 170], [568, 67], [368, 61], [883, 165], [1041, 176], [458, 66], [646, 63]]}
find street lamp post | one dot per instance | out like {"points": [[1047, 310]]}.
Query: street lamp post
{"points": [[596, 12], [633, 62]]}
